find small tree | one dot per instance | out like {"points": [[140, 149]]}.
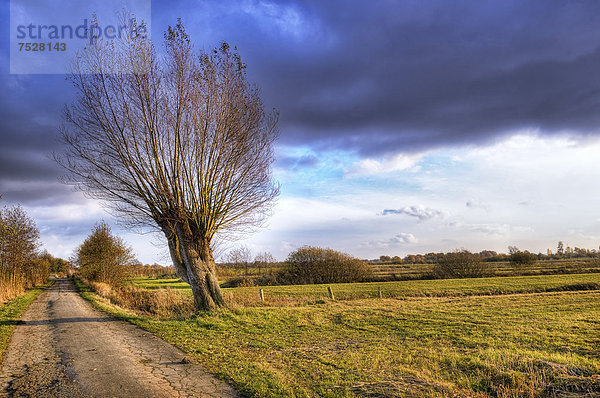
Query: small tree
{"points": [[459, 263], [19, 244], [102, 257], [20, 238], [317, 265]]}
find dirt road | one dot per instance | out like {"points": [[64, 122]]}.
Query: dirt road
{"points": [[65, 348]]}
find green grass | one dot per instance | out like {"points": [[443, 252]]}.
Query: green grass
{"points": [[303, 294], [11, 311], [466, 344], [157, 283]]}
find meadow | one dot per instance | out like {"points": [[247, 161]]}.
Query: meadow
{"points": [[534, 336], [310, 294]]}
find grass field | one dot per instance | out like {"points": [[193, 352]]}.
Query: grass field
{"points": [[452, 342], [11, 311], [502, 268], [306, 294]]}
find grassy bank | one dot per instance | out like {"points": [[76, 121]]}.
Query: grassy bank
{"points": [[11, 311], [467, 345]]}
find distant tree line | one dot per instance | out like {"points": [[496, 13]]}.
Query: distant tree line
{"points": [[562, 252], [151, 270]]}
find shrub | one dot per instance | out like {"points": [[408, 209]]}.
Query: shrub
{"points": [[242, 281], [459, 263], [521, 258], [317, 265]]}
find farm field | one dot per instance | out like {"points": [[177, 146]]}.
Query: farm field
{"points": [[467, 338]]}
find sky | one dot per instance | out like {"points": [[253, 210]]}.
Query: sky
{"points": [[407, 126]]}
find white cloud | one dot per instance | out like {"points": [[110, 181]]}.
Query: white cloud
{"points": [[477, 204], [502, 230], [87, 211], [421, 212], [400, 162], [403, 238]]}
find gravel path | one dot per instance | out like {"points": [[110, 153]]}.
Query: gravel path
{"points": [[64, 348]]}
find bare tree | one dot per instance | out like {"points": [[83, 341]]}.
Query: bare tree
{"points": [[180, 143], [263, 260], [240, 257]]}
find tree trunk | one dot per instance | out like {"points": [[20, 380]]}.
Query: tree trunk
{"points": [[179, 266], [197, 260]]}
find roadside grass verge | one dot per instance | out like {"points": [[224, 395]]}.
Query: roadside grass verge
{"points": [[11, 311], [524, 345]]}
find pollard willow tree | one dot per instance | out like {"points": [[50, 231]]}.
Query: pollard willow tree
{"points": [[179, 142]]}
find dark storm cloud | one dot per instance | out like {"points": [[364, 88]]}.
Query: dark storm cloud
{"points": [[409, 75], [376, 77], [30, 109]]}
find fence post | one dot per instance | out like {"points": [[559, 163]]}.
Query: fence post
{"points": [[380, 294], [331, 296], [262, 295]]}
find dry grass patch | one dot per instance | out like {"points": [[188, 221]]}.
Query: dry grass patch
{"points": [[164, 303]]}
